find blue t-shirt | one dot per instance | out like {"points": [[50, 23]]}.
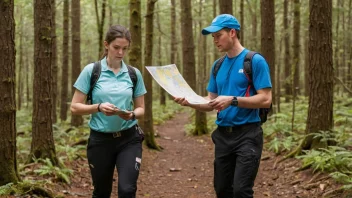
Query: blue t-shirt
{"points": [[231, 81], [113, 88]]}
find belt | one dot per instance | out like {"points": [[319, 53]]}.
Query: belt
{"points": [[117, 134], [231, 129]]}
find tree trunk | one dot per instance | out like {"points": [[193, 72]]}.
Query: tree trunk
{"points": [[76, 120], [8, 162], [268, 40], [188, 58], [225, 7], [135, 54], [187, 44], [54, 62], [201, 117], [337, 45], [287, 57], [27, 81], [162, 92], [242, 21], [253, 12], [296, 46], [148, 115], [349, 63], [42, 133], [100, 24], [321, 73], [64, 69], [306, 64], [215, 49], [20, 68]]}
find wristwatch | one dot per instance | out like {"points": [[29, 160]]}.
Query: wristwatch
{"points": [[234, 101], [133, 116]]}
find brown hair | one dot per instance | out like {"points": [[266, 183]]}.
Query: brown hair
{"points": [[116, 31]]}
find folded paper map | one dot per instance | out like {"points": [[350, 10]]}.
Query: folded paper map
{"points": [[170, 79]]}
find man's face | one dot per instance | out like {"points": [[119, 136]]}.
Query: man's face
{"points": [[223, 40]]}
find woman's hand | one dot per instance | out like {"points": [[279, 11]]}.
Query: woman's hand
{"points": [[107, 108], [126, 115]]}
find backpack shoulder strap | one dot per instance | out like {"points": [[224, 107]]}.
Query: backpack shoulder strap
{"points": [[133, 75], [93, 80], [218, 65], [247, 67]]}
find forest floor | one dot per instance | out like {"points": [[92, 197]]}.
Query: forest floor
{"points": [[184, 169]]}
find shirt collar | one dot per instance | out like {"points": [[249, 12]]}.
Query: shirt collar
{"points": [[104, 65]]}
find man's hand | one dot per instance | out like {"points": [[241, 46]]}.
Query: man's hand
{"points": [[221, 102], [181, 101]]}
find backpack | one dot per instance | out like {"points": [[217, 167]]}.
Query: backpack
{"points": [[247, 67], [96, 74]]}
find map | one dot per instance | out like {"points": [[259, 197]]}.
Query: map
{"points": [[170, 79]]}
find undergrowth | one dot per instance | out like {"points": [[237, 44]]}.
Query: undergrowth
{"points": [[336, 160]]}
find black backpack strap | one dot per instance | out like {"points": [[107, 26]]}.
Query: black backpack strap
{"points": [[247, 67], [93, 81], [133, 75], [218, 65]]}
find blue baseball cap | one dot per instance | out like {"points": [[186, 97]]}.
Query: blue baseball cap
{"points": [[220, 22]]}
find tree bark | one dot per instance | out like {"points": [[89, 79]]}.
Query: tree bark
{"points": [[148, 116], [42, 133], [242, 21], [76, 120], [287, 56], [201, 117], [54, 62], [8, 162], [135, 54], [100, 24], [296, 46], [215, 49], [188, 44], [162, 92], [225, 7], [65, 66], [20, 80], [268, 40], [321, 73]]}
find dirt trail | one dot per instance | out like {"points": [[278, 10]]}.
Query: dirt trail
{"points": [[184, 169]]}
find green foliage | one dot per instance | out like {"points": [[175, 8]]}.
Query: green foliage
{"points": [[161, 113], [6, 189], [211, 118], [20, 188], [279, 145], [47, 168], [327, 160]]}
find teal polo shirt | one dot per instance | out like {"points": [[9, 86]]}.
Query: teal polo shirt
{"points": [[113, 88]]}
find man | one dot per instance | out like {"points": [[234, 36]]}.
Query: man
{"points": [[238, 138]]}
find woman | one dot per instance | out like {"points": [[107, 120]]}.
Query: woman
{"points": [[115, 139]]}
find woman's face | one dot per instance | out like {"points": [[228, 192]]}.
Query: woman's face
{"points": [[117, 48]]}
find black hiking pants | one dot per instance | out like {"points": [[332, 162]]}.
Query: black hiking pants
{"points": [[237, 158], [122, 150]]}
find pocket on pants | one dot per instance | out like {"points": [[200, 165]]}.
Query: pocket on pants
{"points": [[140, 132]]}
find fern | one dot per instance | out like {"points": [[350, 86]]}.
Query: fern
{"points": [[62, 174], [6, 189]]}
